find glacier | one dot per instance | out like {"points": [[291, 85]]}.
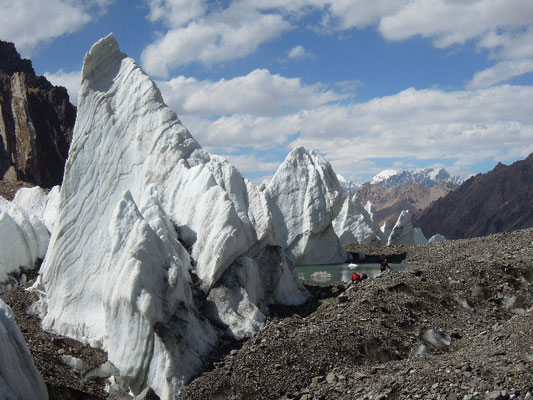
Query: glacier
{"points": [[158, 248], [403, 232], [436, 238], [23, 236], [304, 197], [19, 379], [355, 224]]}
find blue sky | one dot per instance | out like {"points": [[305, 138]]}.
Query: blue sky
{"points": [[371, 85]]}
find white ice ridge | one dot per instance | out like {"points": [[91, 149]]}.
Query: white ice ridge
{"points": [[304, 197], [138, 190], [436, 238], [355, 224], [404, 233], [23, 237], [19, 379]]}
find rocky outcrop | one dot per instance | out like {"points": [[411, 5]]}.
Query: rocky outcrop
{"points": [[498, 201], [36, 123]]}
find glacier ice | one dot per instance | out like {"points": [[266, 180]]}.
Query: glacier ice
{"points": [[19, 379], [153, 234], [304, 197], [23, 241], [354, 224], [404, 233], [436, 238], [419, 236]]}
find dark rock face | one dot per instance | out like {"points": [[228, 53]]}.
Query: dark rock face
{"points": [[36, 123], [498, 201]]}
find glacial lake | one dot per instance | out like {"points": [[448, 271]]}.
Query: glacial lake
{"points": [[321, 274]]}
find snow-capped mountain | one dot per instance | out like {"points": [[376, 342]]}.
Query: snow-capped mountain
{"points": [[428, 177], [384, 175]]}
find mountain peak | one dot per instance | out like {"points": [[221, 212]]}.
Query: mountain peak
{"points": [[429, 177]]}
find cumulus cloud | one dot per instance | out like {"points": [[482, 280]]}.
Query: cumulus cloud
{"points": [[465, 127], [502, 28], [258, 93], [175, 13], [251, 163], [69, 80], [204, 32], [232, 33], [502, 71], [28, 23], [299, 52]]}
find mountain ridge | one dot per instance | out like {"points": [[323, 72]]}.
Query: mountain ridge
{"points": [[498, 201]]}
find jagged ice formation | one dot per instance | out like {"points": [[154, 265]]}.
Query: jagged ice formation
{"points": [[19, 379], [24, 236], [354, 224], [304, 197], [150, 231]]}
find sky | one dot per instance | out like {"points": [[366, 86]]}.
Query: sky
{"points": [[371, 85]]}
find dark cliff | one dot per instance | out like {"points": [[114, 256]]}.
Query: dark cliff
{"points": [[499, 201], [36, 123]]}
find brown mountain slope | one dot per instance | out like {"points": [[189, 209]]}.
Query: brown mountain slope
{"points": [[390, 203], [498, 201], [36, 122]]}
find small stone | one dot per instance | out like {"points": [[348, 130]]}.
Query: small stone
{"points": [[342, 299], [331, 378]]}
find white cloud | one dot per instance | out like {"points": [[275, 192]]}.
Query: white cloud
{"points": [[208, 34], [502, 71], [504, 28], [28, 23], [251, 163], [175, 13], [467, 127], [454, 22], [258, 93], [347, 14], [69, 80], [220, 36], [299, 52]]}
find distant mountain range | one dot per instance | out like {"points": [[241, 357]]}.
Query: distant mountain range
{"points": [[392, 179], [393, 191], [499, 201], [427, 177]]}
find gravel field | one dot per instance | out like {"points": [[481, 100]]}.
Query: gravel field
{"points": [[457, 324]]}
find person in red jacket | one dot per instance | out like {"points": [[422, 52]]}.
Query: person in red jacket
{"points": [[356, 277]]}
